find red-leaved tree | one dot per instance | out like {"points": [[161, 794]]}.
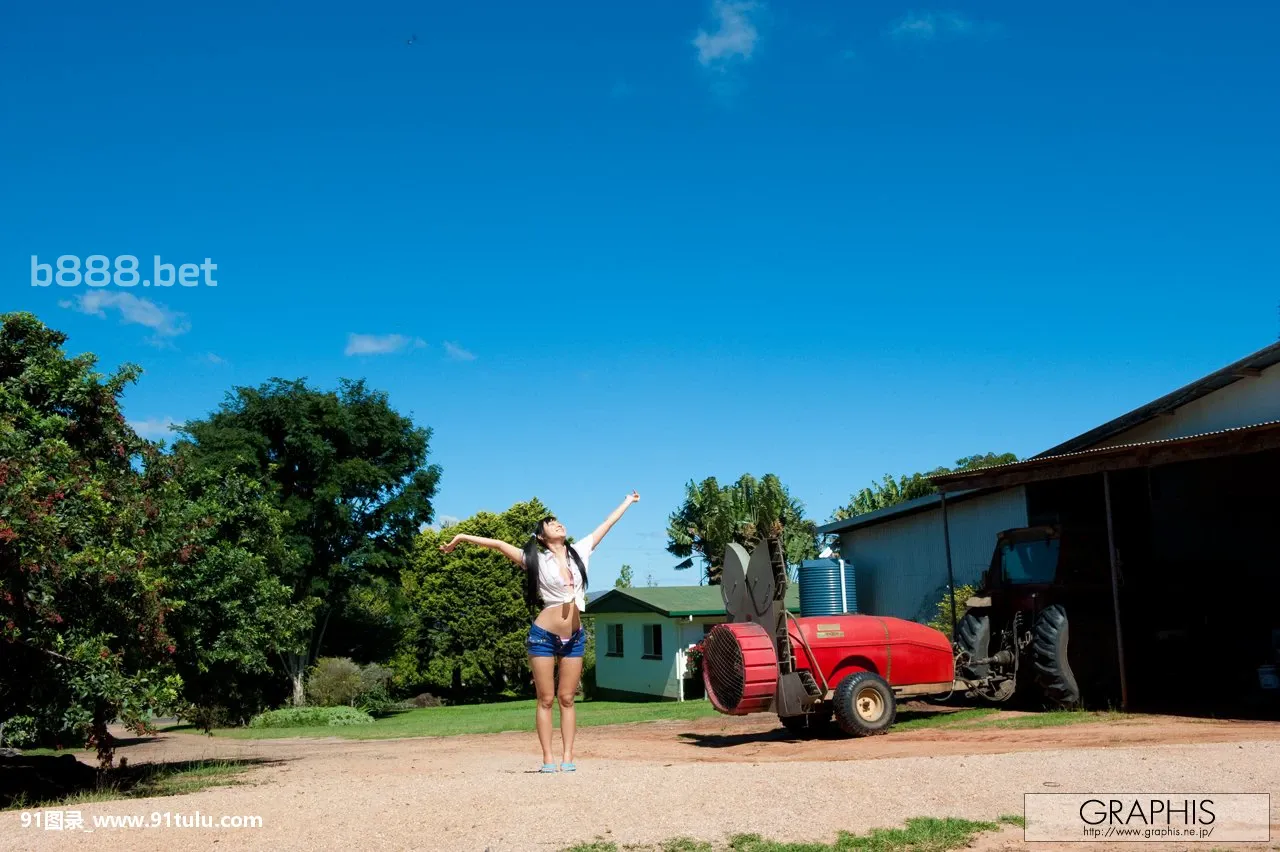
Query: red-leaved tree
{"points": [[82, 605]]}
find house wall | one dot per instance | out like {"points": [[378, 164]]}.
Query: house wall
{"points": [[1243, 403], [632, 674], [901, 565]]}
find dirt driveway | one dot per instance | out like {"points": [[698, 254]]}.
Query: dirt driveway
{"points": [[644, 783]]}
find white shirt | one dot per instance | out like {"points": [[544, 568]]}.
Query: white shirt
{"points": [[551, 585]]}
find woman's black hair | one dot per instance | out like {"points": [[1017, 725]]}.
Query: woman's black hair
{"points": [[531, 563]]}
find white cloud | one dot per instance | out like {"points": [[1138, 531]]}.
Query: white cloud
{"points": [[211, 358], [457, 353], [153, 428], [381, 344], [158, 318], [930, 26], [734, 37]]}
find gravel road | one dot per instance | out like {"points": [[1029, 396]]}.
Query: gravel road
{"points": [[649, 782]]}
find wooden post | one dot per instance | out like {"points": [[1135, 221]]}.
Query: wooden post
{"points": [[951, 580], [1115, 593]]}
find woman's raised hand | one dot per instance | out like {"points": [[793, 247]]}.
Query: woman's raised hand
{"points": [[448, 548], [633, 497]]}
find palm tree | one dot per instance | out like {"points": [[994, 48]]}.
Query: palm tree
{"points": [[745, 512]]}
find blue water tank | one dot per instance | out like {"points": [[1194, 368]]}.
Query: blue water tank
{"points": [[827, 587]]}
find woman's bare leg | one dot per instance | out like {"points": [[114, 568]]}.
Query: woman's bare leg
{"points": [[544, 682], [570, 674]]}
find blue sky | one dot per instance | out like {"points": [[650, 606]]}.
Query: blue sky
{"points": [[598, 247]]}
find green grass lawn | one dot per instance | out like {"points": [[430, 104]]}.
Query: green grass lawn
{"points": [[1055, 718], [922, 834], [913, 720], [992, 717], [518, 716], [480, 719]]}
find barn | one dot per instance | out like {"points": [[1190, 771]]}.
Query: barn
{"points": [[1180, 498]]}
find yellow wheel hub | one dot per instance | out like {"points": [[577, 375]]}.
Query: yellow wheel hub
{"points": [[869, 704]]}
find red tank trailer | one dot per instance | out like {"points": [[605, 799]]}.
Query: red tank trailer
{"points": [[808, 670]]}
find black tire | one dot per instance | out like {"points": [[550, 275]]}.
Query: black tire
{"points": [[973, 636], [856, 701], [1049, 651]]}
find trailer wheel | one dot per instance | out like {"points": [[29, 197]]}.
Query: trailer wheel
{"points": [[1049, 648], [973, 637], [864, 705]]}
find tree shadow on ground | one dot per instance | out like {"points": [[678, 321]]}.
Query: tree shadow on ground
{"points": [[121, 742], [32, 780]]}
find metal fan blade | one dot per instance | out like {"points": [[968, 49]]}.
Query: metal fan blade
{"points": [[733, 582], [761, 587]]}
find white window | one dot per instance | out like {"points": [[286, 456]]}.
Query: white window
{"points": [[614, 644], [653, 641]]}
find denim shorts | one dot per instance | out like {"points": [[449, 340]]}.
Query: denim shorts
{"points": [[544, 643]]}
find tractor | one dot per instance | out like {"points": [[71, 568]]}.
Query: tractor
{"points": [[1041, 625]]}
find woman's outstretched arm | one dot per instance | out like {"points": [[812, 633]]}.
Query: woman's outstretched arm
{"points": [[612, 519], [508, 550]]}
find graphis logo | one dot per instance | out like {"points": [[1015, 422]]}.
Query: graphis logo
{"points": [[101, 271]]}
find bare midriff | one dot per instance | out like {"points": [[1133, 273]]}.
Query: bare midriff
{"points": [[562, 619]]}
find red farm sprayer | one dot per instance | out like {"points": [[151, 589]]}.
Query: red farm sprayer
{"points": [[808, 670]]}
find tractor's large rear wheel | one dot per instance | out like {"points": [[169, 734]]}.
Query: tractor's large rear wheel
{"points": [[1049, 649], [973, 637], [864, 705]]}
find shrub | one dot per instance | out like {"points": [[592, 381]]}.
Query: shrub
{"points": [[942, 619], [374, 676], [334, 681], [206, 717], [587, 685], [376, 701], [18, 732], [693, 661], [310, 717], [426, 699]]}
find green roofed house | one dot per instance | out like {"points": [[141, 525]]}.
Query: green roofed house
{"points": [[642, 634]]}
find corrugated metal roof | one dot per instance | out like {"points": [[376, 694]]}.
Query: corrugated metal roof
{"points": [[1045, 460], [1248, 366], [677, 601], [898, 510]]}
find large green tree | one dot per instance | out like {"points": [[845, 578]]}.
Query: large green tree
{"points": [[469, 612], [83, 599], [713, 515], [350, 474], [891, 492], [234, 616]]}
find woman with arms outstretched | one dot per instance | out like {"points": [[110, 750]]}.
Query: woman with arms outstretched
{"points": [[555, 583]]}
